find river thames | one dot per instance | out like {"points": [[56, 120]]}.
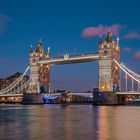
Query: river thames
{"points": [[70, 122]]}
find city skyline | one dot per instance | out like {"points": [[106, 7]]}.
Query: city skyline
{"points": [[67, 27]]}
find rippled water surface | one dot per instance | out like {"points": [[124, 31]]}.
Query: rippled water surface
{"points": [[71, 122]]}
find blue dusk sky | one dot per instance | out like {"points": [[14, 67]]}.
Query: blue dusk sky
{"points": [[71, 26]]}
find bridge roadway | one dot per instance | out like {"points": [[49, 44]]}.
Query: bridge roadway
{"points": [[128, 93], [68, 59], [11, 95], [78, 93], [50, 95]]}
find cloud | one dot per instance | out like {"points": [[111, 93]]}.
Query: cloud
{"points": [[137, 55], [133, 35], [126, 49], [3, 22], [100, 29], [116, 28], [93, 31]]}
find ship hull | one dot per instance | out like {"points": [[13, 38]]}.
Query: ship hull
{"points": [[32, 98]]}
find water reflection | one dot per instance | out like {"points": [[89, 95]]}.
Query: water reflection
{"points": [[72, 122], [106, 123], [118, 123]]}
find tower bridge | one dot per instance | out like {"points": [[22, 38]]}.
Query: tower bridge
{"points": [[41, 62], [108, 58]]}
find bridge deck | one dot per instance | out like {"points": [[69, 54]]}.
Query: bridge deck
{"points": [[128, 93], [10, 95], [71, 59], [52, 94]]}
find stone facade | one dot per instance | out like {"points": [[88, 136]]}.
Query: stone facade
{"points": [[109, 72], [39, 73]]}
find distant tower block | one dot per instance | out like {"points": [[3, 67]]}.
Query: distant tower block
{"points": [[109, 72], [39, 74]]}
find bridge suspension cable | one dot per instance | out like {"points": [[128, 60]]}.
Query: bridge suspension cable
{"points": [[135, 74], [130, 73], [15, 83], [20, 88], [127, 72]]}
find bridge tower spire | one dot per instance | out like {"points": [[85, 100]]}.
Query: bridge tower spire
{"points": [[109, 72], [39, 73]]}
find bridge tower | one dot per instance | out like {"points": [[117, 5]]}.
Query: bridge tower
{"points": [[39, 73], [109, 72]]}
